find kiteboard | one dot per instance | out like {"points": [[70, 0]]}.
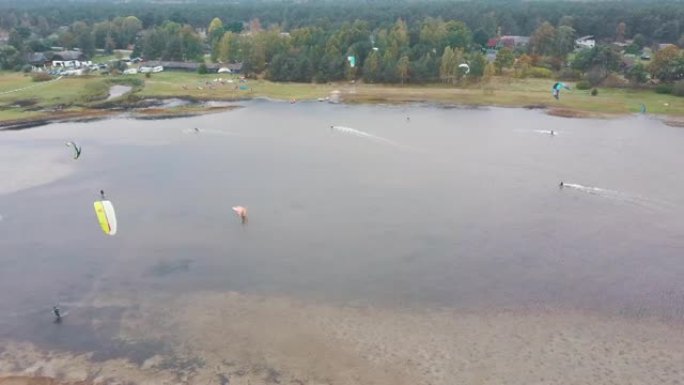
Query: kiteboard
{"points": [[106, 216]]}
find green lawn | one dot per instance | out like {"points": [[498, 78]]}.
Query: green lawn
{"points": [[500, 91]]}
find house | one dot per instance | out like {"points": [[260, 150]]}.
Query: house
{"points": [[69, 55], [585, 42], [508, 41], [37, 59], [512, 41], [178, 65], [665, 45]]}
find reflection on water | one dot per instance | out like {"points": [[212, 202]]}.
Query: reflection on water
{"points": [[474, 220]]}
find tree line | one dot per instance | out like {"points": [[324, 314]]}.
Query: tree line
{"points": [[407, 49]]}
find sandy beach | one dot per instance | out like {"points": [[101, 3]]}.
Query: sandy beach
{"points": [[221, 338]]}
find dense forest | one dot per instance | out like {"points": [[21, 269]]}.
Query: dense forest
{"points": [[389, 40]]}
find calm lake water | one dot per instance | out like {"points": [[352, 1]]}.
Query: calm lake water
{"points": [[454, 207]]}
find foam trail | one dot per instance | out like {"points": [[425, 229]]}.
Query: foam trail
{"points": [[616, 195], [545, 132], [208, 131], [361, 134]]}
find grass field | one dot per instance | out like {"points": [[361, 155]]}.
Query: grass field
{"points": [[87, 91]]}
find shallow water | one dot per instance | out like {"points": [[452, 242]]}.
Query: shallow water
{"points": [[454, 207], [118, 91]]}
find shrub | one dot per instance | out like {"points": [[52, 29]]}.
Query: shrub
{"points": [[583, 85], [539, 72], [26, 68], [678, 88], [148, 75], [40, 77], [664, 88], [594, 92], [202, 69]]}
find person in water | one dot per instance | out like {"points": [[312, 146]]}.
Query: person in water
{"points": [[102, 194], [56, 312], [561, 184], [196, 129]]}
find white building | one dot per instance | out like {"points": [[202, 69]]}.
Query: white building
{"points": [[585, 42]]}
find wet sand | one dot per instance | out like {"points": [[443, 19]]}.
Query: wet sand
{"points": [[220, 338]]}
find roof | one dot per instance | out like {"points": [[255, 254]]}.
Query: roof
{"points": [[178, 65], [233, 66], [584, 38], [511, 40], [68, 55], [36, 58]]}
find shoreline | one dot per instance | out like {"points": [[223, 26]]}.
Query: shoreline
{"points": [[195, 107], [87, 97]]}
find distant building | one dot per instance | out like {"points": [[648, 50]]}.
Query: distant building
{"points": [[187, 66], [511, 41], [71, 55], [508, 41], [585, 42], [37, 59], [665, 45]]}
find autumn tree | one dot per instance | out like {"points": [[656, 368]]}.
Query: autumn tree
{"points": [[504, 59], [668, 64], [543, 41], [215, 31], [403, 68]]}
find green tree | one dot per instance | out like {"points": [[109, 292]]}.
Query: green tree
{"points": [[130, 27], [637, 74], [215, 31], [173, 49], [153, 44], [458, 34], [565, 42], [447, 65], [371, 68], [403, 66], [192, 44], [477, 65], [10, 57], [543, 41], [504, 59], [83, 37], [227, 48]]}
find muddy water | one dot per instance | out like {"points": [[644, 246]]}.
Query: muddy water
{"points": [[450, 208]]}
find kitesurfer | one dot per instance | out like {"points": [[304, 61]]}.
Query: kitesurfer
{"points": [[552, 132], [242, 213], [196, 129], [561, 184], [56, 312], [102, 194]]}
